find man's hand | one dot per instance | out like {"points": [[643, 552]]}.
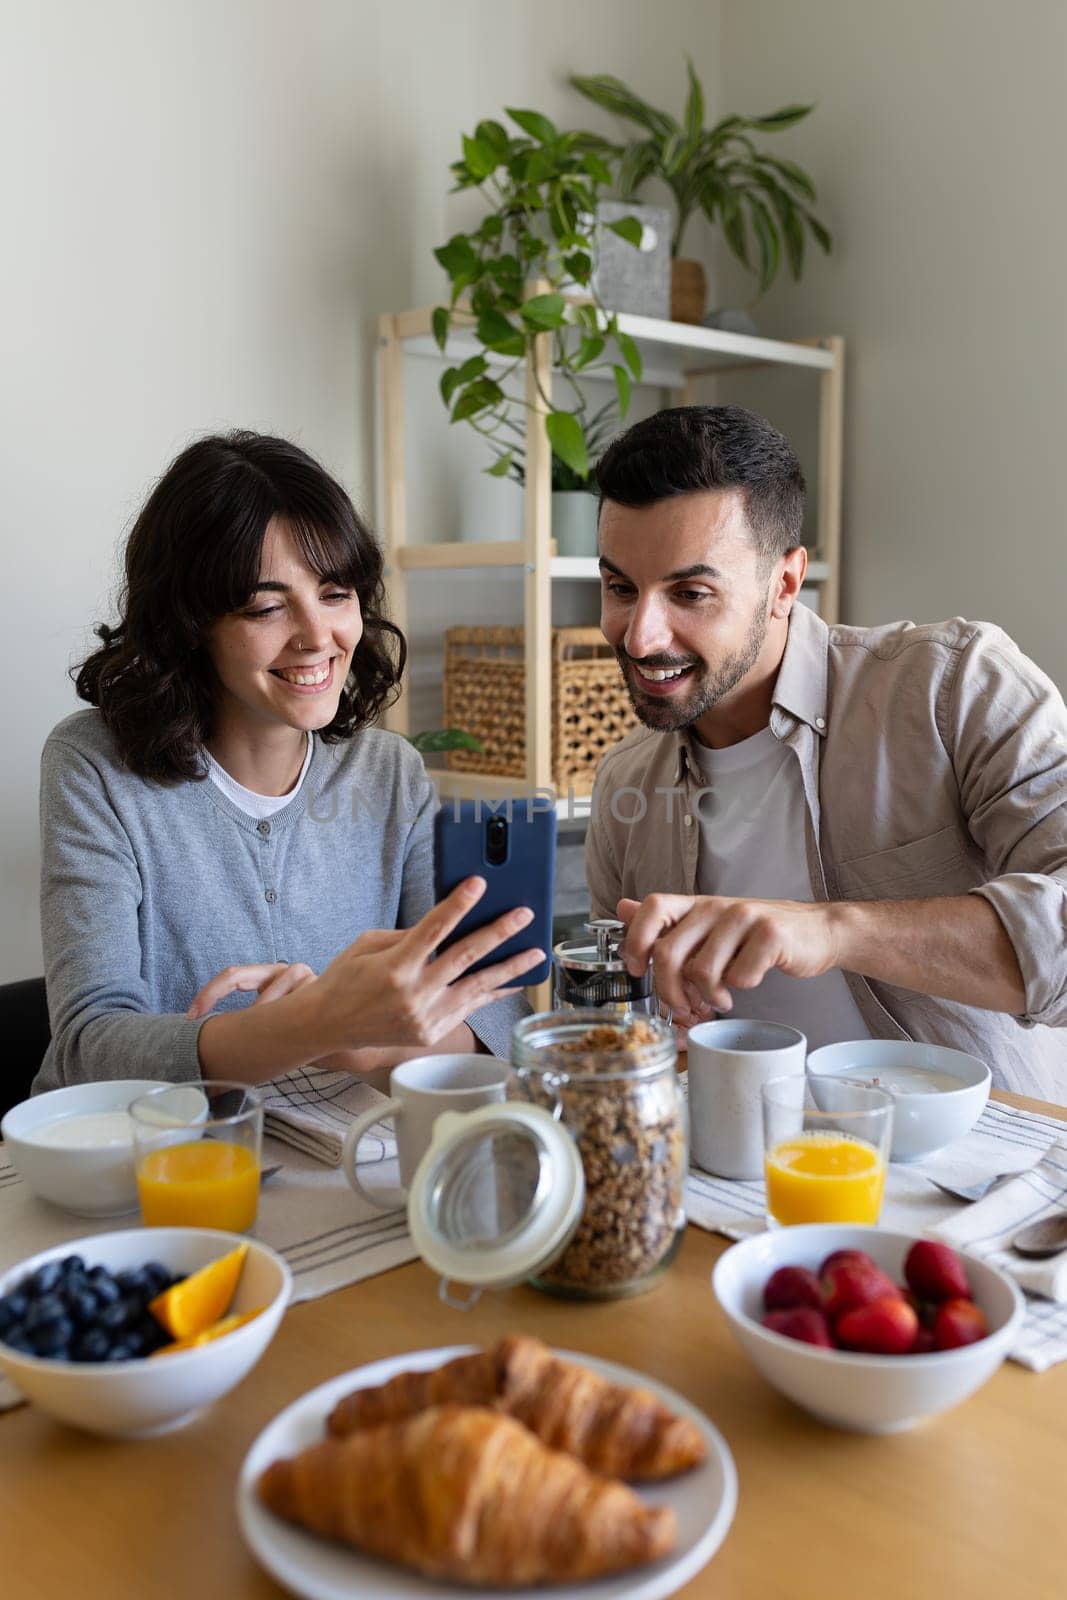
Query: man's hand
{"points": [[955, 947], [704, 945]]}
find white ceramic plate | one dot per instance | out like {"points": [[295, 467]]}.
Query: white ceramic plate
{"points": [[704, 1502]]}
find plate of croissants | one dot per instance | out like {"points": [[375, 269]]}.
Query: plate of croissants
{"points": [[502, 1469]]}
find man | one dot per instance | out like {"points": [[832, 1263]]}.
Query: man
{"points": [[858, 831]]}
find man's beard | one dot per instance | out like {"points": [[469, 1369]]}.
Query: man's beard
{"points": [[704, 689]]}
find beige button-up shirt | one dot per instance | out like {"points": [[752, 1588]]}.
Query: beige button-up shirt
{"points": [[934, 762]]}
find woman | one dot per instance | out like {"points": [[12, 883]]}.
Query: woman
{"points": [[226, 820]]}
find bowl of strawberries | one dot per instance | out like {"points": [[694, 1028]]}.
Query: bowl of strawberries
{"points": [[866, 1329]]}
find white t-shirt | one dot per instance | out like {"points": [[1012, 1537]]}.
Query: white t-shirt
{"points": [[752, 845], [247, 800]]}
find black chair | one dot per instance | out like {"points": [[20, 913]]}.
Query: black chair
{"points": [[25, 1031]]}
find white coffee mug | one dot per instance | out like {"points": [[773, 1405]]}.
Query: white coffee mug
{"points": [[729, 1061], [420, 1090]]}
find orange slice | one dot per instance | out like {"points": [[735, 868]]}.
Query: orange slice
{"points": [[188, 1307], [236, 1319]]}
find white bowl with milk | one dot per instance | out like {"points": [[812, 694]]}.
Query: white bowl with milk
{"points": [[74, 1146], [938, 1093]]}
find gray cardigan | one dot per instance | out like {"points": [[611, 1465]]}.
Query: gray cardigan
{"points": [[148, 890]]}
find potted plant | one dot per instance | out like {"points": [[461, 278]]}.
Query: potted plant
{"points": [[527, 270], [760, 201]]}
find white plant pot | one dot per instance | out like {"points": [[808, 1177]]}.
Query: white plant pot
{"points": [[574, 522]]}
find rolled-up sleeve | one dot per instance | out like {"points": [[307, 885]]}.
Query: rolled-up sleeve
{"points": [[1007, 731], [98, 1002]]}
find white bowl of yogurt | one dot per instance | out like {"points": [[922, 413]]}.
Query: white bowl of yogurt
{"points": [[938, 1093], [74, 1146]]}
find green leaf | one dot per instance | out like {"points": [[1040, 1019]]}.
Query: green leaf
{"points": [[479, 396], [630, 353], [622, 388], [766, 238], [609, 92], [543, 311], [494, 136], [501, 466], [456, 377], [694, 106], [579, 266], [628, 228], [596, 168], [495, 331], [567, 440], [439, 322], [480, 158], [785, 118], [590, 347], [823, 237], [538, 167], [533, 123], [491, 228], [794, 175], [639, 161], [436, 739], [457, 255], [732, 218]]}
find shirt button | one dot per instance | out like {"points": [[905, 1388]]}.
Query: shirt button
{"points": [[688, 819], [270, 897], [820, 723], [263, 828]]}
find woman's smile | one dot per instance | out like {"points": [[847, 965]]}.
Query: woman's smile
{"points": [[317, 679]]}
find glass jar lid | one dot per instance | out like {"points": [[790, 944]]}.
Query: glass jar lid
{"points": [[497, 1196]]}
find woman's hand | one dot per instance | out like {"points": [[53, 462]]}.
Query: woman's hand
{"points": [[386, 988], [271, 978]]}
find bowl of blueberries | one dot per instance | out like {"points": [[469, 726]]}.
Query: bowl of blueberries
{"points": [[84, 1334]]}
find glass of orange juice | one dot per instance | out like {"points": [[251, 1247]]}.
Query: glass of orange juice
{"points": [[197, 1154], [825, 1160]]}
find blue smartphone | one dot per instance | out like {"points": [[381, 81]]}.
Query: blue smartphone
{"points": [[512, 845]]}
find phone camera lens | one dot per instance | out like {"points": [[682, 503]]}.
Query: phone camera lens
{"points": [[496, 841]]}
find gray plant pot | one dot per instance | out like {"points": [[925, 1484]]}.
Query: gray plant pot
{"points": [[574, 522]]}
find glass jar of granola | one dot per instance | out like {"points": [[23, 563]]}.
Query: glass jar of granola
{"points": [[613, 1084]]}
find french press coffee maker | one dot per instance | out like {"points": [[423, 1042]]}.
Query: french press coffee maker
{"points": [[591, 974]]}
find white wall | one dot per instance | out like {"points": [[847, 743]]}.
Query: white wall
{"points": [[938, 148], [205, 206]]}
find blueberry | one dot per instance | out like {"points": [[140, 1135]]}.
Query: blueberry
{"points": [[151, 1334], [8, 1319], [72, 1265], [114, 1316], [119, 1352], [81, 1304], [47, 1277], [19, 1339], [93, 1345], [17, 1304], [49, 1308], [132, 1282], [53, 1343], [156, 1277], [104, 1286]]}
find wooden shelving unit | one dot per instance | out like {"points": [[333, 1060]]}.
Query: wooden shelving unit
{"points": [[676, 356]]}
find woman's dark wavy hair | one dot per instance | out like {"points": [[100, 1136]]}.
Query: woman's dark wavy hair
{"points": [[193, 556]]}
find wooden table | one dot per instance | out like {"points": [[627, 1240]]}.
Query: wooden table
{"points": [[968, 1505]]}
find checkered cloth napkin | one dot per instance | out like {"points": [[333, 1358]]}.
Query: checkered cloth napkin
{"points": [[1004, 1139], [327, 1233], [311, 1111]]}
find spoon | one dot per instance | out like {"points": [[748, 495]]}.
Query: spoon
{"points": [[1039, 1239]]}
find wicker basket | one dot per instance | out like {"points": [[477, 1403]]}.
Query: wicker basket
{"points": [[485, 694]]}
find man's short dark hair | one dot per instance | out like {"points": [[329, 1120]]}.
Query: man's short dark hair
{"points": [[689, 449]]}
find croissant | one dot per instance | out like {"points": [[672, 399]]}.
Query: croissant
{"points": [[466, 1494], [620, 1432]]}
